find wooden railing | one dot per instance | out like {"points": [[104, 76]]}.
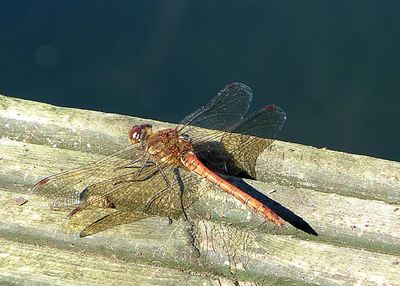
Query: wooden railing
{"points": [[352, 202]]}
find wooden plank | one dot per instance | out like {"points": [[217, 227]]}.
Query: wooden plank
{"points": [[336, 218], [358, 238], [23, 263], [331, 171]]}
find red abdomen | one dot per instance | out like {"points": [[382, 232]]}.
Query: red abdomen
{"points": [[195, 165]]}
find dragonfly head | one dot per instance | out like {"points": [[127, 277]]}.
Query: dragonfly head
{"points": [[139, 133]]}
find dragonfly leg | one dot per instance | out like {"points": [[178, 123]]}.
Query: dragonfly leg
{"points": [[146, 164], [127, 166], [136, 177], [182, 189]]}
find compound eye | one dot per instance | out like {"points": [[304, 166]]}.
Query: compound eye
{"points": [[185, 137], [134, 133], [137, 132]]}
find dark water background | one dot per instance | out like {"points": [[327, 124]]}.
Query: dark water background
{"points": [[333, 66]]}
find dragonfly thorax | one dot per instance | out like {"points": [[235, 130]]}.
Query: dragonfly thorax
{"points": [[168, 146]]}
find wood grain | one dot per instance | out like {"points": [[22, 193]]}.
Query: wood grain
{"points": [[351, 201]]}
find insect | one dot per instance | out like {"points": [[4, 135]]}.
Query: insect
{"points": [[158, 173]]}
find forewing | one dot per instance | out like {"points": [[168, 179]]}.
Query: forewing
{"points": [[166, 194], [225, 111], [160, 190], [64, 189]]}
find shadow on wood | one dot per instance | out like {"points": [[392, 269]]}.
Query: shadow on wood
{"points": [[286, 214]]}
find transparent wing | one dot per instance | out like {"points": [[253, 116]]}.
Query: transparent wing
{"points": [[163, 190], [93, 220], [114, 219], [236, 152], [171, 200], [225, 111], [178, 196], [265, 123], [64, 189]]}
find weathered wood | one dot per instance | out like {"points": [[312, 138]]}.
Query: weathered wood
{"points": [[331, 172], [351, 201], [24, 263]]}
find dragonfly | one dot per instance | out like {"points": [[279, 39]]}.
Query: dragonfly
{"points": [[158, 174]]}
